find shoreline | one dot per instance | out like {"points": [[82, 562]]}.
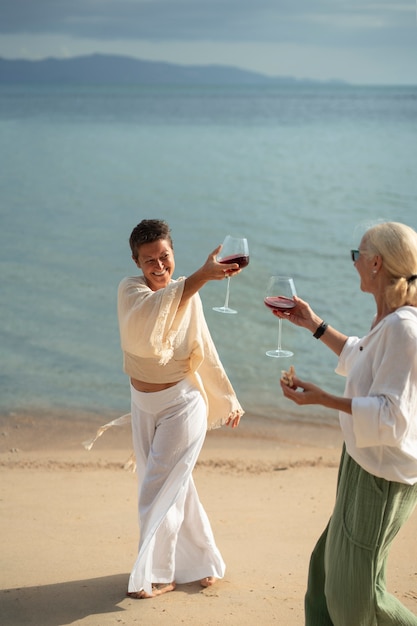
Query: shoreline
{"points": [[51, 427], [54, 439]]}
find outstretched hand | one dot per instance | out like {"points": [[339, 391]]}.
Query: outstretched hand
{"points": [[212, 269], [301, 315], [303, 392], [216, 270]]}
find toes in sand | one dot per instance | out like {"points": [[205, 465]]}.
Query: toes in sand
{"points": [[157, 590], [208, 581]]}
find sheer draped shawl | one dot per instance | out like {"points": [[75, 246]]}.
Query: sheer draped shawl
{"points": [[155, 325], [156, 329]]}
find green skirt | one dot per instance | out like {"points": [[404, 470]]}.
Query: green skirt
{"points": [[346, 582]]}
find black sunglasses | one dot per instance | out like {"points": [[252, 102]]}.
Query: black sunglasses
{"points": [[355, 255]]}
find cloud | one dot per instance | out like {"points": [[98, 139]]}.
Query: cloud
{"points": [[323, 22], [359, 41]]}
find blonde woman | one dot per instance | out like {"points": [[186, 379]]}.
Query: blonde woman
{"points": [[377, 482]]}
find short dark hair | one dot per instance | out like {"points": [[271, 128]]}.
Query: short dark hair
{"points": [[148, 231]]}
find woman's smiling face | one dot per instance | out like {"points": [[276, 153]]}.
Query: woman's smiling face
{"points": [[156, 260]]}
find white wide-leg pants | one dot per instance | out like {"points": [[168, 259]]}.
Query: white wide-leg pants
{"points": [[176, 539]]}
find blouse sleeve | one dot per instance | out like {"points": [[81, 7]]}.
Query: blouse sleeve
{"points": [[387, 416], [222, 402], [146, 317], [347, 354]]}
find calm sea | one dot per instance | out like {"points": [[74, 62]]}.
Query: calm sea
{"points": [[300, 171]]}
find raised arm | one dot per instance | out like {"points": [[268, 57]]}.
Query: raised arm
{"points": [[211, 270], [303, 315]]}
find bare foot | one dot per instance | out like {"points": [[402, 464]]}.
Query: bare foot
{"points": [[138, 595], [157, 590], [208, 581]]}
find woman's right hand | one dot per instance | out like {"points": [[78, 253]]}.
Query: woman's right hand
{"points": [[214, 270], [301, 315]]}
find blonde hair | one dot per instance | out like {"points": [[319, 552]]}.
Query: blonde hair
{"points": [[397, 245]]}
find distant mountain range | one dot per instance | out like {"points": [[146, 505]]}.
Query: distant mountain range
{"points": [[99, 69]]}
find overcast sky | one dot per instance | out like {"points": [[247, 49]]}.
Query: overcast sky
{"points": [[361, 41]]}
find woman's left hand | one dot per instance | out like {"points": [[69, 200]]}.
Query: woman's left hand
{"points": [[303, 392], [233, 420]]}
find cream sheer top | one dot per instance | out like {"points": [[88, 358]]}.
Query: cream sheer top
{"points": [[164, 341]]}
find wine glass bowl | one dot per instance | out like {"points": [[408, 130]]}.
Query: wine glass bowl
{"points": [[279, 295], [241, 259], [234, 250], [279, 303]]}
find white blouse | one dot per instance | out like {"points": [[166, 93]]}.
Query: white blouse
{"points": [[381, 372]]}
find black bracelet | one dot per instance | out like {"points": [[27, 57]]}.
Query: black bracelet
{"points": [[320, 330]]}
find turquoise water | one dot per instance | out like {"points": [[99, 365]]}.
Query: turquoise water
{"points": [[299, 171]]}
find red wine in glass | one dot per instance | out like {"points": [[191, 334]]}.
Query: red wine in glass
{"points": [[234, 250], [279, 303], [241, 260], [279, 296]]}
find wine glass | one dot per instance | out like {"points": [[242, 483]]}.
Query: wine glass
{"points": [[234, 250], [279, 295]]}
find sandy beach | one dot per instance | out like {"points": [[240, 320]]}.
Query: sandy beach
{"points": [[69, 531]]}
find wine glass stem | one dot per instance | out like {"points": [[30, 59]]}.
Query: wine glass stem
{"points": [[226, 302], [279, 333]]}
